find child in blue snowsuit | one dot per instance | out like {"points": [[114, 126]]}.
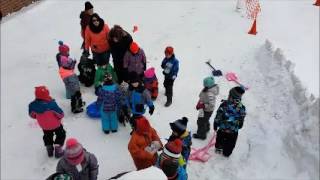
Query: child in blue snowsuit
{"points": [[138, 96], [109, 101], [229, 119], [170, 66], [179, 131]]}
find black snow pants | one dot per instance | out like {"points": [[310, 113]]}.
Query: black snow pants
{"points": [[226, 140], [204, 124], [48, 136]]}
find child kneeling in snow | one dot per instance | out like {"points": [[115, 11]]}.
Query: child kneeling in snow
{"points": [[179, 131], [206, 104], [109, 101], [48, 115], [71, 83], [150, 82], [168, 161], [77, 162]]}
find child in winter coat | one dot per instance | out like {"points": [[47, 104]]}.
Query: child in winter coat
{"points": [[72, 83], [63, 51], [87, 71], [109, 101], [170, 66], [144, 144], [77, 162], [150, 82], [168, 161], [48, 115], [137, 98], [179, 131], [134, 61], [206, 104], [100, 74], [229, 119]]}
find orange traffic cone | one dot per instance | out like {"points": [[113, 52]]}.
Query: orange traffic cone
{"points": [[253, 29], [317, 3]]}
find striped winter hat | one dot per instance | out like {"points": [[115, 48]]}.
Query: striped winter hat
{"points": [[173, 148], [179, 126], [74, 152]]}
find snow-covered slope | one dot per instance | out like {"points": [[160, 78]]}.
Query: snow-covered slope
{"points": [[279, 139]]}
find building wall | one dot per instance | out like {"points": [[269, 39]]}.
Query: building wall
{"points": [[10, 6]]}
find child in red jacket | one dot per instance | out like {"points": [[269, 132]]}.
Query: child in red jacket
{"points": [[48, 115], [151, 82]]}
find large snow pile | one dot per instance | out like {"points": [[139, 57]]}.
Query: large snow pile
{"points": [[280, 136], [145, 174]]}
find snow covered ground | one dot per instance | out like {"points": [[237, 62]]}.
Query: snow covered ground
{"points": [[280, 138]]}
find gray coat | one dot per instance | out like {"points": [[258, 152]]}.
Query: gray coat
{"points": [[72, 84], [89, 168], [208, 98]]}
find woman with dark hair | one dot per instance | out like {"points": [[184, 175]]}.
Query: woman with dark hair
{"points": [[96, 38], [119, 41]]}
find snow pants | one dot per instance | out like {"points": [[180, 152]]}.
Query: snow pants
{"points": [[109, 120], [48, 136], [101, 58], [204, 124], [226, 140], [168, 85]]}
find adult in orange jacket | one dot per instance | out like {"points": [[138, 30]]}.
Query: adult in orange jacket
{"points": [[144, 144], [96, 34]]}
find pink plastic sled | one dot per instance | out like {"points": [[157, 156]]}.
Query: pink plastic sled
{"points": [[202, 154], [230, 76]]}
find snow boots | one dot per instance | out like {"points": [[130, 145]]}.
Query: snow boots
{"points": [[58, 151], [197, 136], [169, 101], [77, 103], [50, 150]]}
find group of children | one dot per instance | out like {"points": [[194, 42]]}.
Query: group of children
{"points": [[123, 93]]}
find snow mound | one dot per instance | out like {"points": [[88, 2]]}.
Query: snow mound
{"points": [[145, 174], [298, 106]]}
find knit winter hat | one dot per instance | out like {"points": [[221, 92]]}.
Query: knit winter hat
{"points": [[41, 92], [173, 148], [208, 82], [87, 6], [149, 73], [168, 50], [74, 152], [142, 125], [134, 77], [63, 49], [134, 47], [179, 125], [236, 92]]}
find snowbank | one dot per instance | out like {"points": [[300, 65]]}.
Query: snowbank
{"points": [[145, 174], [302, 135]]}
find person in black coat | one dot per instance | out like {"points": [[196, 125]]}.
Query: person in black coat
{"points": [[119, 42]]}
